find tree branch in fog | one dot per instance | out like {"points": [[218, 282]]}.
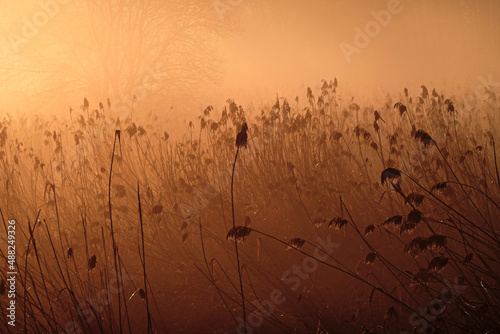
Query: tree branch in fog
{"points": [[108, 49]]}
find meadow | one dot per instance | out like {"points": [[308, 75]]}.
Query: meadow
{"points": [[335, 218]]}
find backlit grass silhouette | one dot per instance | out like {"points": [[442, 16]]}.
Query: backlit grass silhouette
{"points": [[123, 229]]}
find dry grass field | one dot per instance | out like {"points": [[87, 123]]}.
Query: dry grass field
{"points": [[335, 218]]}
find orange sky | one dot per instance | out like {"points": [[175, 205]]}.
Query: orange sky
{"points": [[285, 45]]}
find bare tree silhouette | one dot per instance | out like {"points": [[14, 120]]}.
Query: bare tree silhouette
{"points": [[120, 49]]}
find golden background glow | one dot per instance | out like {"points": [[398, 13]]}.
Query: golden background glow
{"points": [[247, 50]]}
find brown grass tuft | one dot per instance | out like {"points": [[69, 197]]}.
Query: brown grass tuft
{"points": [[238, 233], [296, 243]]}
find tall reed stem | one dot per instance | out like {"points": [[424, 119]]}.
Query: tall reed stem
{"points": [[236, 243], [115, 248], [143, 260]]}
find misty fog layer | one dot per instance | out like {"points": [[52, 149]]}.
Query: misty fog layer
{"points": [[182, 55], [287, 46], [237, 166]]}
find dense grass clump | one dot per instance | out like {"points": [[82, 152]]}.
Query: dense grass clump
{"points": [[326, 217]]}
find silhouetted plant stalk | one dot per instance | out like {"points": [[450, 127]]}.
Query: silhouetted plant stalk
{"points": [[475, 189], [392, 174], [241, 140], [460, 229], [26, 270], [426, 139], [363, 171], [115, 248], [238, 233], [67, 287], [496, 164], [380, 151], [143, 260], [467, 246], [375, 254], [106, 274], [211, 276], [440, 240], [35, 248]]}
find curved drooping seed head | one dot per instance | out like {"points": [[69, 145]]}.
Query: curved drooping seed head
{"points": [[439, 186], [394, 220], [92, 262], [338, 222], [376, 113], [414, 198], [369, 229], [437, 241], [296, 243], [414, 216], [437, 264], [242, 137], [423, 137], [370, 258], [416, 246], [391, 174], [401, 107], [238, 233], [142, 294]]}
